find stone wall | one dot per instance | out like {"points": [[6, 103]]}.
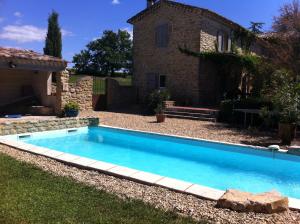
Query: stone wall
{"points": [[118, 96], [182, 71], [188, 79], [80, 92], [10, 128]]}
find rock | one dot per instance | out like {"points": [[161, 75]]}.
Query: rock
{"points": [[269, 202]]}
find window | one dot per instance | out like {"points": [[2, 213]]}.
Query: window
{"points": [[162, 81], [224, 42], [162, 36]]}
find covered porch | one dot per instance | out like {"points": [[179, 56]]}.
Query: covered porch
{"points": [[26, 82]]}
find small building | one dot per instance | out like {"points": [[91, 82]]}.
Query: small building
{"points": [[26, 84], [159, 31]]}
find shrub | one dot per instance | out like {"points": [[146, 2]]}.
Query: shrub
{"points": [[71, 106], [157, 98], [160, 109], [226, 110], [227, 107]]}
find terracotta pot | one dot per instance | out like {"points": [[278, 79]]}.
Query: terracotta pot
{"points": [[287, 133], [160, 118]]}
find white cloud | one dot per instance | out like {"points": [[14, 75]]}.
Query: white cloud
{"points": [[66, 33], [115, 2], [130, 31], [18, 14], [26, 33]]}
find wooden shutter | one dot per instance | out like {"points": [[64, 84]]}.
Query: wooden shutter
{"points": [[152, 82], [229, 44], [220, 41]]}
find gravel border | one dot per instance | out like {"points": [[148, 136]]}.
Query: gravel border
{"points": [[165, 199]]}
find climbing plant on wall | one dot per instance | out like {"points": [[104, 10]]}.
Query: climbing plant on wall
{"points": [[229, 66]]}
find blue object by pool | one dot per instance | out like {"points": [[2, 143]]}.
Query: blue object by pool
{"points": [[214, 165], [13, 116]]}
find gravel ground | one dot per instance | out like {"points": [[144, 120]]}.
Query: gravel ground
{"points": [[161, 198], [190, 128]]}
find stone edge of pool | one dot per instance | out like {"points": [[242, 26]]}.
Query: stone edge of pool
{"points": [[132, 174]]}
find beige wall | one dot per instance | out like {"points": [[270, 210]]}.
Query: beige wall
{"points": [[12, 81], [181, 70], [186, 80]]}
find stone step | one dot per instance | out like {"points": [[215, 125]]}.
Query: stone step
{"points": [[190, 117], [194, 114], [193, 110]]}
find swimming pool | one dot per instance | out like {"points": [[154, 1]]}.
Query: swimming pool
{"points": [[215, 165]]}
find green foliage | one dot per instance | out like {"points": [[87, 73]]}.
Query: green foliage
{"points": [[256, 27], [285, 95], [156, 99], [227, 106], [160, 109], [106, 55], [246, 38], [231, 68], [31, 195], [71, 106], [53, 45], [249, 62]]}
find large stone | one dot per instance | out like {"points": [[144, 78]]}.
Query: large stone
{"points": [[269, 202]]}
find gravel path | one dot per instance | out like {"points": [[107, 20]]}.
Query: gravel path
{"points": [[159, 197], [190, 128]]}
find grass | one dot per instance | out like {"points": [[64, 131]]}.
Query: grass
{"points": [[99, 82], [30, 195]]}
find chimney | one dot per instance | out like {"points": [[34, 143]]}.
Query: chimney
{"points": [[150, 3]]}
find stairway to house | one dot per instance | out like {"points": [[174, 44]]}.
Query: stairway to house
{"points": [[192, 113]]}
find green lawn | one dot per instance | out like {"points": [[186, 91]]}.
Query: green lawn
{"points": [[30, 195], [99, 82]]}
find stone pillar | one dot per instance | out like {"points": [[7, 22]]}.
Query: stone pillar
{"points": [[62, 91]]}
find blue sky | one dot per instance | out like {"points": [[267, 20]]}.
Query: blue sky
{"points": [[23, 23]]}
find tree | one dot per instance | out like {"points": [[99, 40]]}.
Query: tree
{"points": [[256, 27], [53, 45], [284, 44], [289, 18], [106, 55]]}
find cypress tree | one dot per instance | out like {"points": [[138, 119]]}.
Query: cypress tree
{"points": [[53, 45]]}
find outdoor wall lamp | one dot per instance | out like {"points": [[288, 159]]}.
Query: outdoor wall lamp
{"points": [[12, 65]]}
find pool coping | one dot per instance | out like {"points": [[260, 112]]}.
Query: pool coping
{"points": [[128, 173]]}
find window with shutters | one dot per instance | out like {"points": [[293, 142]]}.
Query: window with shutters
{"points": [[224, 42], [162, 36]]}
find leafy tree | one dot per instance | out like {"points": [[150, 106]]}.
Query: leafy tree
{"points": [[53, 45], [284, 44], [106, 55], [289, 18], [256, 27]]}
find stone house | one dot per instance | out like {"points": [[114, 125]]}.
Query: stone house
{"points": [[26, 84], [159, 31]]}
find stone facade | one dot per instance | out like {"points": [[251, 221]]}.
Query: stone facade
{"points": [[10, 128], [188, 79], [80, 92]]}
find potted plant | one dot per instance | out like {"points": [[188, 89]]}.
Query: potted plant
{"points": [[71, 109], [160, 115], [286, 99], [287, 125], [156, 98]]}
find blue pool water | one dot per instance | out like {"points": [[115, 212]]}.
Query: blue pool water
{"points": [[210, 164]]}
